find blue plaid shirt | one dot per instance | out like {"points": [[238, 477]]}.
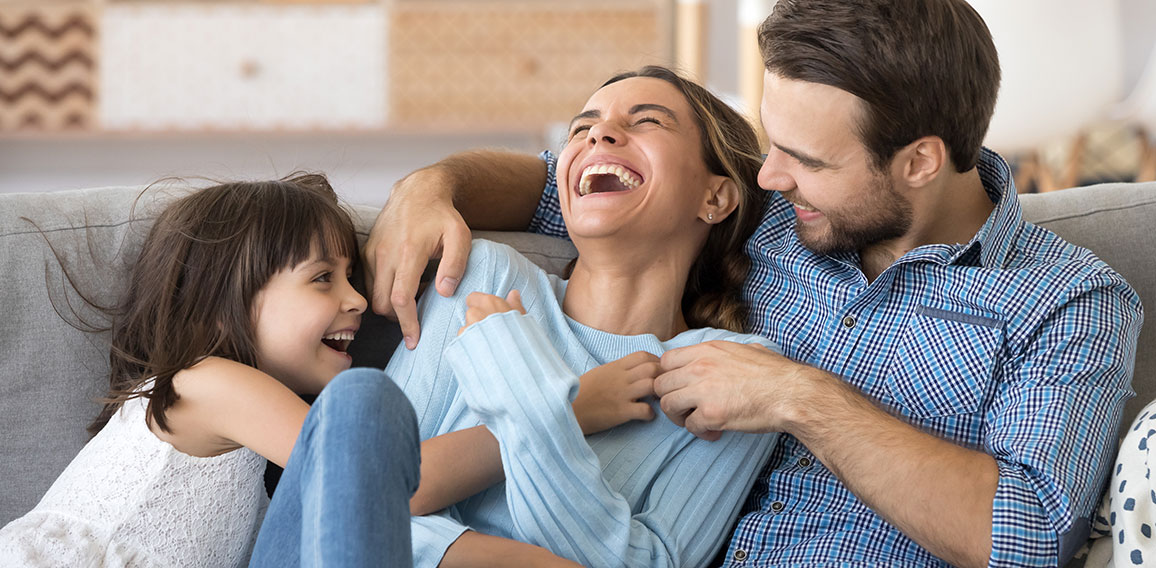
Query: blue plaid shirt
{"points": [[1016, 343]]}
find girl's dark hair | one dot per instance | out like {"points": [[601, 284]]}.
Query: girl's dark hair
{"points": [[921, 68], [730, 147], [190, 293]]}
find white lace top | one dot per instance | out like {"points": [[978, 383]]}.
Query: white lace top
{"points": [[130, 499]]}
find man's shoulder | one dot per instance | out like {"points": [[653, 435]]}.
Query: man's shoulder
{"points": [[1039, 251]]}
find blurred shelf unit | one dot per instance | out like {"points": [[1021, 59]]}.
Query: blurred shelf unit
{"points": [[125, 67]]}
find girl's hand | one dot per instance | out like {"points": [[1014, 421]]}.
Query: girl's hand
{"points": [[613, 393], [479, 305]]}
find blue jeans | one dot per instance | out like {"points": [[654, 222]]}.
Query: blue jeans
{"points": [[344, 497]]}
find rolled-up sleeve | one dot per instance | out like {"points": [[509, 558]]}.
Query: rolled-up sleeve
{"points": [[1053, 423], [548, 217]]}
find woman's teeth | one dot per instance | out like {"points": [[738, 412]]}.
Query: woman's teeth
{"points": [[625, 177]]}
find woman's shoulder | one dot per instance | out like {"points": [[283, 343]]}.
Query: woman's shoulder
{"points": [[704, 334], [496, 268]]}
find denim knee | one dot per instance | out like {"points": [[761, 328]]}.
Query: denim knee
{"points": [[366, 401]]}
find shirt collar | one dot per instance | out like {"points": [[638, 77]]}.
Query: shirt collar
{"points": [[994, 239]]}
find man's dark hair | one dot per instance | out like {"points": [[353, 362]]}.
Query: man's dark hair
{"points": [[921, 67]]}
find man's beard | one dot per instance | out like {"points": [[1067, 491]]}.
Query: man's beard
{"points": [[881, 215]]}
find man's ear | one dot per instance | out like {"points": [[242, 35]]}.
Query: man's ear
{"points": [[721, 200], [921, 161]]}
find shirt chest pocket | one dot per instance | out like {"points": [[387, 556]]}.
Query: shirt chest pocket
{"points": [[944, 363]]}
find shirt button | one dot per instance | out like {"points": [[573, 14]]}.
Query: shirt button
{"points": [[849, 322], [777, 506], [804, 462], [740, 555]]}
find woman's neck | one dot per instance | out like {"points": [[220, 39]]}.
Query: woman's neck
{"points": [[628, 295]]}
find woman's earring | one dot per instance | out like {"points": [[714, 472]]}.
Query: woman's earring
{"points": [[710, 216]]}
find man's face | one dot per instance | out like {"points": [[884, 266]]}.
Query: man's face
{"points": [[816, 161]]}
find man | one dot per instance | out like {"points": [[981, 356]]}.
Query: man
{"points": [[953, 378]]}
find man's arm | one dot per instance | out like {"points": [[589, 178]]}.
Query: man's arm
{"points": [[936, 492], [430, 213], [1048, 433]]}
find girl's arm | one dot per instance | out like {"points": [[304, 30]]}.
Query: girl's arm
{"points": [[443, 479], [225, 405], [554, 487]]}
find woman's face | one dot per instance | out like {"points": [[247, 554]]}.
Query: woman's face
{"points": [[633, 165]]}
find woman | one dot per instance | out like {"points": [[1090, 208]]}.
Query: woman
{"points": [[658, 189]]}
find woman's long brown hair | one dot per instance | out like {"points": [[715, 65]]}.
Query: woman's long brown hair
{"points": [[730, 147], [206, 256]]}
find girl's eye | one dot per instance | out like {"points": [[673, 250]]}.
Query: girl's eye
{"points": [[648, 119], [579, 130], [324, 277]]}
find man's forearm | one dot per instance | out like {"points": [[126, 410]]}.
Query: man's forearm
{"points": [[938, 493], [493, 190]]}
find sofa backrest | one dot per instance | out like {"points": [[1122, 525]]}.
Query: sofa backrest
{"points": [[52, 373]]}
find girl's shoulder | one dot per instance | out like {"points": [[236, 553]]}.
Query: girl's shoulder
{"points": [[223, 405]]}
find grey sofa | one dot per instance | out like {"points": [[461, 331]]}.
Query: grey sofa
{"points": [[51, 372]]}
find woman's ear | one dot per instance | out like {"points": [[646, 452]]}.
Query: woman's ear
{"points": [[721, 200]]}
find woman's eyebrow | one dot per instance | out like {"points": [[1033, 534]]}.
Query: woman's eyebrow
{"points": [[656, 107], [592, 113]]}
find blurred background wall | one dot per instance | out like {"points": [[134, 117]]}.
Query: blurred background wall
{"points": [[118, 92]]}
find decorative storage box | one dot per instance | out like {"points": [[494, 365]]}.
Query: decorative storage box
{"points": [[514, 64], [242, 67], [47, 66], [125, 66]]}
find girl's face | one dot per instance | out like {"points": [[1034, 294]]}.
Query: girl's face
{"points": [[305, 318], [633, 165]]}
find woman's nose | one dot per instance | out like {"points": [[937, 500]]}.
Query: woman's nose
{"points": [[604, 133]]}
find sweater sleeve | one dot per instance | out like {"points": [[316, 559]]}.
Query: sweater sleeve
{"points": [[512, 376]]}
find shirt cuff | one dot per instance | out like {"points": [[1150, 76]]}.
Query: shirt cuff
{"points": [[432, 536], [506, 363], [1022, 535]]}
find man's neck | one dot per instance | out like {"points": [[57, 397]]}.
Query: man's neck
{"points": [[948, 212]]}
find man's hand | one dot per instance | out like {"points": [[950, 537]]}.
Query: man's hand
{"points": [[418, 223], [480, 305], [723, 385], [612, 394]]}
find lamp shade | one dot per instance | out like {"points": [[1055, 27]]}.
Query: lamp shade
{"points": [[1062, 67]]}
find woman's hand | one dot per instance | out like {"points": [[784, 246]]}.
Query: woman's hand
{"points": [[613, 393], [479, 305]]}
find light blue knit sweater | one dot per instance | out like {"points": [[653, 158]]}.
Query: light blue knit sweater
{"points": [[641, 494]]}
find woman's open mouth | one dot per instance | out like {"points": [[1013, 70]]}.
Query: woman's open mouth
{"points": [[607, 178]]}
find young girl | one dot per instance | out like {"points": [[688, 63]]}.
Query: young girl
{"points": [[239, 302]]}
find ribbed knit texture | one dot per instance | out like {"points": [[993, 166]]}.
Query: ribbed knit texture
{"points": [[641, 494]]}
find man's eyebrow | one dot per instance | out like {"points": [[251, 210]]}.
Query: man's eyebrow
{"points": [[592, 113], [651, 106], [809, 161]]}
